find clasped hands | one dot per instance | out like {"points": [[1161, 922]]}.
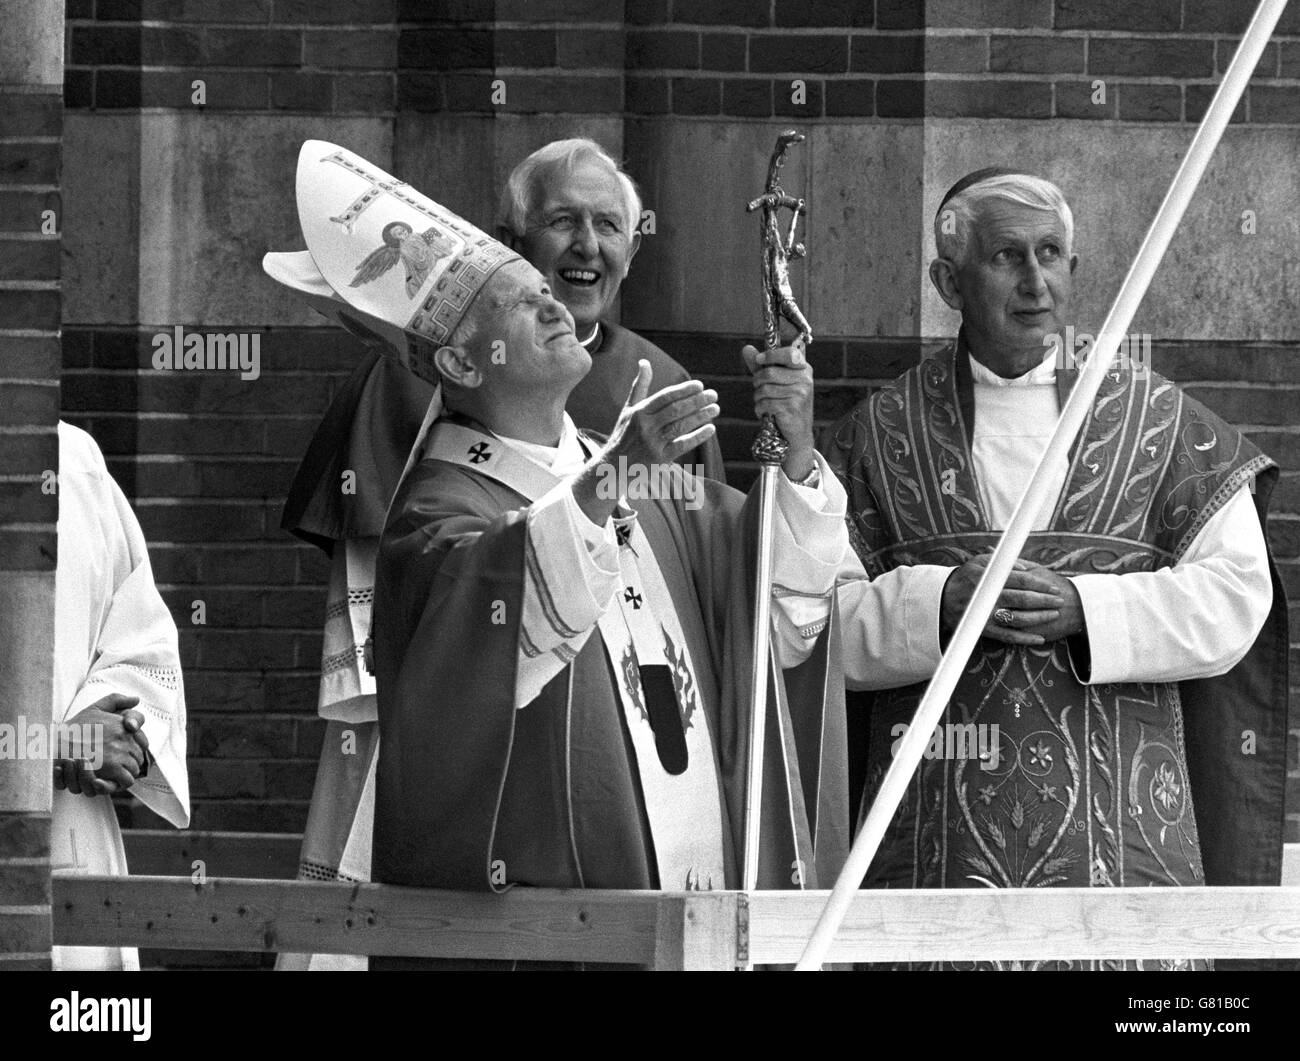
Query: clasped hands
{"points": [[1036, 605], [119, 732]]}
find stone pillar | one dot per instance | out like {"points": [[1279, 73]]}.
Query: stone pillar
{"points": [[31, 120]]}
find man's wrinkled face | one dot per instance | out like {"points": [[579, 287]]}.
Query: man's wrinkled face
{"points": [[578, 236], [525, 336], [1016, 281]]}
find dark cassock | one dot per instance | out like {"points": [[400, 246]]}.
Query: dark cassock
{"points": [[597, 399], [1150, 751]]}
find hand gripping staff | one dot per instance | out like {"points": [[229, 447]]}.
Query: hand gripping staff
{"points": [[1075, 411]]}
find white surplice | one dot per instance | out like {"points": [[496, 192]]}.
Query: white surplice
{"points": [[1193, 620], [112, 634], [340, 823]]}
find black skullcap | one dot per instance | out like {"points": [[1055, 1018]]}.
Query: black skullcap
{"points": [[980, 175]]}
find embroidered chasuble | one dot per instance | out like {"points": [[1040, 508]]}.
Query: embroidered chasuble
{"points": [[626, 768], [1091, 785]]}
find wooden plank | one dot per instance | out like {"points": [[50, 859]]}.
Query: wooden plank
{"points": [[696, 930], [1034, 924], [650, 927], [326, 918], [173, 852]]}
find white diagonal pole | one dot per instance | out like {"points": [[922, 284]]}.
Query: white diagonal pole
{"points": [[1076, 409]]}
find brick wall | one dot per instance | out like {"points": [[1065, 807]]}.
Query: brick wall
{"points": [[31, 119], [1022, 59], [206, 461], [898, 98]]}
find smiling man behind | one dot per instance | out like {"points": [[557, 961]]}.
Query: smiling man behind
{"points": [[573, 213]]}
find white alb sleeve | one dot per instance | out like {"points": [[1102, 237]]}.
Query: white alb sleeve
{"points": [[1196, 619]]}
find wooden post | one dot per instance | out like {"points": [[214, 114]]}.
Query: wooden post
{"points": [[697, 930]]}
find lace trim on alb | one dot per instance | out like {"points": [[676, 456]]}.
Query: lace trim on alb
{"points": [[339, 660], [167, 677], [365, 595], [309, 870]]}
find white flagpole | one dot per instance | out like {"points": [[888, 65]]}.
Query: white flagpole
{"points": [[1076, 409]]}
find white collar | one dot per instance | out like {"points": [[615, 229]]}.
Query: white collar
{"points": [[1041, 375], [562, 460], [595, 331]]}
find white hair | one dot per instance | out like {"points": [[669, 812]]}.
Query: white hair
{"points": [[466, 329], [955, 220], [562, 156]]}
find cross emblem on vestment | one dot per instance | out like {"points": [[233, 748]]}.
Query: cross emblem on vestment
{"points": [[633, 598], [372, 194], [479, 452], [622, 534]]}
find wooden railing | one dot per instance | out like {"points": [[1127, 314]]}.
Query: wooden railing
{"points": [[274, 856], [684, 930], [688, 930]]}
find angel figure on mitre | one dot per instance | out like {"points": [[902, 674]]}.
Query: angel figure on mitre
{"points": [[418, 252]]}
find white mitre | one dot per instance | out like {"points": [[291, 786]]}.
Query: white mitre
{"points": [[382, 260]]}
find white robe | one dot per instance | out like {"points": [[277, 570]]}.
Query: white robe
{"points": [[112, 634]]}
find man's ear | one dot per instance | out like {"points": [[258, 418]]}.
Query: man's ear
{"points": [[943, 274], [456, 367], [631, 253]]}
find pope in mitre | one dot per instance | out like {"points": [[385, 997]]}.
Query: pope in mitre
{"points": [[563, 675]]}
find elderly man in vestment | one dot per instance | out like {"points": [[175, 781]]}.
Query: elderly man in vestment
{"points": [[562, 659], [571, 211], [116, 670], [1131, 684], [589, 213]]}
